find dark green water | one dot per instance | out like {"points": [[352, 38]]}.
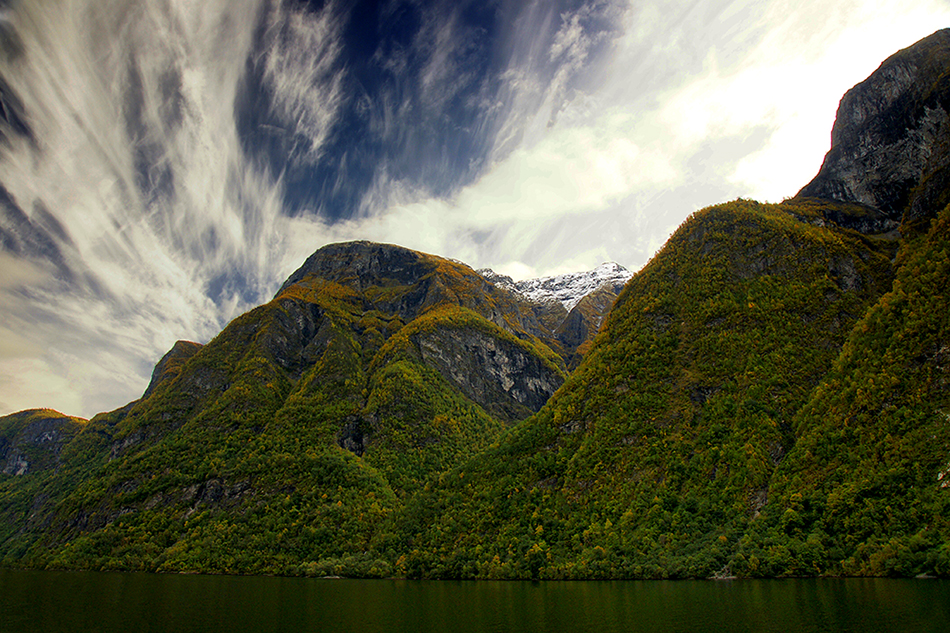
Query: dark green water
{"points": [[89, 602]]}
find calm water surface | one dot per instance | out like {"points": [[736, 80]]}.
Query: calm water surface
{"points": [[88, 602]]}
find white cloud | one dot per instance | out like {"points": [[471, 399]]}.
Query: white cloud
{"points": [[31, 383], [570, 41], [571, 171], [599, 147], [303, 71], [753, 115], [750, 117], [516, 270]]}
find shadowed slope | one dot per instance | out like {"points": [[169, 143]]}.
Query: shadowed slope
{"points": [[866, 489]]}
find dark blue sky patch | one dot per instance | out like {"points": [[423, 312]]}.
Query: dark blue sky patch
{"points": [[29, 239], [233, 283], [424, 86]]}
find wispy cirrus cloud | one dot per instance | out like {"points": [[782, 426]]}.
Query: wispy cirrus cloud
{"points": [[163, 228], [165, 164], [171, 156], [692, 104]]}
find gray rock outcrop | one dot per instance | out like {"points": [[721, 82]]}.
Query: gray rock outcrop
{"points": [[890, 145], [497, 374]]}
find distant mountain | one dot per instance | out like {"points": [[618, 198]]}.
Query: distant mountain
{"points": [[568, 289], [769, 396], [572, 306]]}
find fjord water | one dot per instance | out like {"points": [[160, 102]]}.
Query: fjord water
{"points": [[72, 601]]}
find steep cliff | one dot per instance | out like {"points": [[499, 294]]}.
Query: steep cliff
{"points": [[170, 365], [866, 488], [890, 144]]}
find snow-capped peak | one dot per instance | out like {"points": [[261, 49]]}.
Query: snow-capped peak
{"points": [[568, 288]]}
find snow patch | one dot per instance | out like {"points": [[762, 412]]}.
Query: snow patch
{"points": [[568, 289]]}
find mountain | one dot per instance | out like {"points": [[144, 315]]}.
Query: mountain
{"points": [[654, 456], [572, 306], [864, 489], [296, 431], [767, 397], [568, 289]]}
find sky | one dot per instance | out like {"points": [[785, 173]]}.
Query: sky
{"points": [[166, 164]]}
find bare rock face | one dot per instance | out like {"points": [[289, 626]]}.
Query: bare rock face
{"points": [[32, 440], [890, 145], [170, 364], [363, 266], [500, 376]]}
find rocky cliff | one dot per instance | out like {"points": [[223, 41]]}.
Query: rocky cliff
{"points": [[890, 144]]}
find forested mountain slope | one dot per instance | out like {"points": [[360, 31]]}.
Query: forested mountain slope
{"points": [[292, 435], [763, 400], [659, 450], [866, 488]]}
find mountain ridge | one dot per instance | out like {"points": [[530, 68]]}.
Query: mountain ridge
{"points": [[566, 288]]}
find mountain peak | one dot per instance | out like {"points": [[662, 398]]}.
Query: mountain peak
{"points": [[888, 144], [567, 289], [361, 263]]}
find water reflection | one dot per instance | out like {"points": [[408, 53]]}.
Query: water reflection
{"points": [[55, 601]]}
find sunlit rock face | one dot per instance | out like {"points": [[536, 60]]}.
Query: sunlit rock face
{"points": [[890, 139]]}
